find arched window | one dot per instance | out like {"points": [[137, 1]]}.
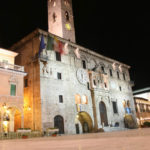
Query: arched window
{"points": [[66, 2], [67, 16], [59, 123]]}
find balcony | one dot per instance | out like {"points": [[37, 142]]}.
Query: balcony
{"points": [[11, 67]]}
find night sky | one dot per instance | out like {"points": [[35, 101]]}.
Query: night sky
{"points": [[115, 30]]}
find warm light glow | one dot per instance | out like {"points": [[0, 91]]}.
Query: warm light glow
{"points": [[29, 108], [5, 123], [7, 111], [78, 99], [84, 99], [68, 26]]}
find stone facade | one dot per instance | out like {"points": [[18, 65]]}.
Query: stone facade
{"points": [[80, 91], [108, 82]]}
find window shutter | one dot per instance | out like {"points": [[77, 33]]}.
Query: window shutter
{"points": [[13, 90]]}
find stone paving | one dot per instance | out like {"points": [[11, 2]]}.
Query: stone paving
{"points": [[122, 140]]}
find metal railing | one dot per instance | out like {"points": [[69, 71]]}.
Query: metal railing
{"points": [[8, 66]]}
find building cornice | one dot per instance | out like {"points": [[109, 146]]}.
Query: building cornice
{"points": [[38, 32]]}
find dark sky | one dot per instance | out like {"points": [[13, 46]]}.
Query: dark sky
{"points": [[114, 30]]}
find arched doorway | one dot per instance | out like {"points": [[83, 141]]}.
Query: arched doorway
{"points": [[103, 114], [86, 122], [59, 123], [17, 120]]}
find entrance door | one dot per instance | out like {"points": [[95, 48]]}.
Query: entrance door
{"points": [[103, 114], [77, 129], [59, 123], [85, 127]]}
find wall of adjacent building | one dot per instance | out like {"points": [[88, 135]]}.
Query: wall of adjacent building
{"points": [[26, 58]]}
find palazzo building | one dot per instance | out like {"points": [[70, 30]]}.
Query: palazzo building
{"points": [[11, 92], [69, 86]]}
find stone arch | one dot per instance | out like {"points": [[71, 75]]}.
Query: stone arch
{"points": [[59, 123], [103, 113], [86, 121]]}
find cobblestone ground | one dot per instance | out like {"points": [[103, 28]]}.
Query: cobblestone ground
{"points": [[124, 140]]}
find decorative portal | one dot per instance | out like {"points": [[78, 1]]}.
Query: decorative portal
{"points": [[59, 123], [86, 122], [103, 114]]}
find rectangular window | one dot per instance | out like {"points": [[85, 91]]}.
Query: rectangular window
{"points": [[13, 90], [120, 88], [59, 76], [115, 110], [118, 75], [60, 99], [84, 64], [88, 85], [26, 83], [58, 56], [124, 76], [110, 71], [103, 70], [94, 82], [105, 84]]}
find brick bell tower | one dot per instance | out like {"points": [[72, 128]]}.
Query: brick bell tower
{"points": [[60, 19]]}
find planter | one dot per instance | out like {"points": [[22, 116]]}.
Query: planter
{"points": [[54, 135], [52, 132], [24, 137]]}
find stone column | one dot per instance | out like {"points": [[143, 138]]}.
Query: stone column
{"points": [[93, 102]]}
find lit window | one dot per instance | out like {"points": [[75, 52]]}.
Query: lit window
{"points": [[60, 99], [84, 99], [13, 90], [54, 4], [78, 99], [66, 2]]}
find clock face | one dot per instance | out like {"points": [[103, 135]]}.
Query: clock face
{"points": [[82, 76], [68, 26]]}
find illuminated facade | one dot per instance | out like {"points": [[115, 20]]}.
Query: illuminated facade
{"points": [[75, 89], [11, 92], [142, 105]]}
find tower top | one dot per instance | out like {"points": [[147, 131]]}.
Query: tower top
{"points": [[60, 19]]}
